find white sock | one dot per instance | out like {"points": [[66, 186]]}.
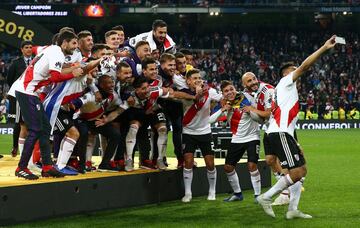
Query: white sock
{"points": [[234, 181], [256, 182], [131, 140], [66, 149], [295, 193], [103, 144], [188, 176], [283, 183], [31, 161], [21, 142], [151, 155], [277, 176], [162, 142], [211, 175], [90, 147]]}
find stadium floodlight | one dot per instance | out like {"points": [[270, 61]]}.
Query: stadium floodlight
{"points": [[211, 13], [216, 13], [344, 13]]}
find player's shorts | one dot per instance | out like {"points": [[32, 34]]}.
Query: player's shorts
{"points": [[287, 150], [155, 118], [18, 117], [132, 114], [237, 150], [64, 121], [267, 148], [191, 142]]}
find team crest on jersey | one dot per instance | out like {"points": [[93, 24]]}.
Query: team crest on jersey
{"points": [[38, 107], [66, 121], [58, 65], [68, 58]]}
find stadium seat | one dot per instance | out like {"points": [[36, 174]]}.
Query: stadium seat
{"points": [[335, 115], [301, 115], [315, 116]]}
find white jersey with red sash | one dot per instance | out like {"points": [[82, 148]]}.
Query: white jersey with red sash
{"points": [[285, 106], [243, 127], [150, 103], [155, 93], [263, 98], [92, 110], [37, 74], [197, 114]]}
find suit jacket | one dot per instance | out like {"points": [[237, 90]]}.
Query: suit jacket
{"points": [[16, 68]]}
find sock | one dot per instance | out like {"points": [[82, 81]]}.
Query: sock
{"points": [[211, 175], [151, 155], [277, 175], [90, 147], [103, 143], [66, 149], [295, 193], [256, 182], [188, 176], [131, 140], [21, 142], [31, 161], [162, 142], [283, 183], [234, 181]]}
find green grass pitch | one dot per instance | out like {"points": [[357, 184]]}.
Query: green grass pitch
{"points": [[331, 195]]}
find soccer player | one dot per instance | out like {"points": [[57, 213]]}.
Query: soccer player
{"points": [[112, 40], [92, 118], [142, 113], [86, 43], [245, 136], [173, 109], [43, 70], [16, 68], [157, 38], [197, 132], [281, 134], [142, 50], [263, 94], [181, 69]]}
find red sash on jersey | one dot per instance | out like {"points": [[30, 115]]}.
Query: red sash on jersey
{"points": [[235, 120], [191, 113], [154, 95]]}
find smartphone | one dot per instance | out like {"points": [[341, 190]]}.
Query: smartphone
{"points": [[340, 40]]}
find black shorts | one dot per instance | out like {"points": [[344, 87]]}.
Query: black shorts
{"points": [[237, 150], [131, 114], [287, 150], [267, 148], [192, 142], [64, 121], [155, 118]]}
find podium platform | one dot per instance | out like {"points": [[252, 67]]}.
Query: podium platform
{"points": [[22, 200]]}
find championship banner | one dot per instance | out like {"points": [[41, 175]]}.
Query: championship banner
{"points": [[14, 29]]}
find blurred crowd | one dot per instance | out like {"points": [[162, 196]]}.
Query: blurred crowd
{"points": [[333, 83]]}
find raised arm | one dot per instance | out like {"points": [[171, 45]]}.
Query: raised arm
{"points": [[309, 61]]}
